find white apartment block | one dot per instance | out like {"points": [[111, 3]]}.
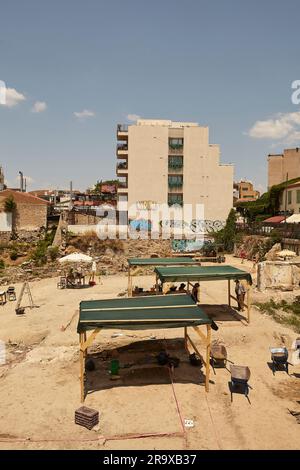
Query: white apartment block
{"points": [[165, 162]]}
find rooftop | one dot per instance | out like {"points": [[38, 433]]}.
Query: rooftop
{"points": [[22, 198]]}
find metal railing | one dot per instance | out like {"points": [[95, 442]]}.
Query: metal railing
{"points": [[176, 150], [123, 184], [122, 147], [291, 231], [122, 166], [122, 128]]}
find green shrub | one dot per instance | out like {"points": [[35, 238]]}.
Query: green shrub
{"points": [[39, 255], [53, 252], [14, 255]]}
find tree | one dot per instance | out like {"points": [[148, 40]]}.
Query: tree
{"points": [[227, 236], [9, 204]]}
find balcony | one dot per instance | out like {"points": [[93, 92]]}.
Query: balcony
{"points": [[122, 131], [122, 150], [175, 199], [175, 184], [175, 164], [176, 150], [122, 168], [175, 146], [123, 187]]}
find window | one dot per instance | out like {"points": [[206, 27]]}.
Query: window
{"points": [[175, 181], [175, 162], [289, 197], [175, 199], [298, 196], [175, 143]]}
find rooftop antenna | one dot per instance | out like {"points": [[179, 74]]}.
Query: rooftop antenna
{"points": [[71, 195], [21, 181]]}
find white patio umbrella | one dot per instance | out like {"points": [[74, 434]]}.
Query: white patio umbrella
{"points": [[76, 258], [286, 253]]}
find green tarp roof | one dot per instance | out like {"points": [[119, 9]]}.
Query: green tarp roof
{"points": [[201, 273], [138, 313], [160, 261]]}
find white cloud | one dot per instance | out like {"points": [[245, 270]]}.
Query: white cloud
{"points": [[284, 126], [12, 97], [39, 107], [86, 113], [133, 117]]}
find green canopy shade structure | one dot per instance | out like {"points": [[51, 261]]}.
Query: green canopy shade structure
{"points": [[205, 273], [133, 262], [140, 313], [160, 261]]}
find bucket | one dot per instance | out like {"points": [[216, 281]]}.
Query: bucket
{"points": [[114, 367]]}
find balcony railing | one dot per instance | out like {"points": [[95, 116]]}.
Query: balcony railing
{"points": [[175, 150], [123, 185], [122, 128], [122, 147], [122, 166]]}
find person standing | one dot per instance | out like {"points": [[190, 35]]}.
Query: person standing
{"points": [[240, 295], [195, 292]]}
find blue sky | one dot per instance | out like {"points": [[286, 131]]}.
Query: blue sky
{"points": [[228, 64]]}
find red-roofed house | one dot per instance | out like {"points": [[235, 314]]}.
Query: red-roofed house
{"points": [[31, 212]]}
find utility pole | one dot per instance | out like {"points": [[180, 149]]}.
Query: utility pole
{"points": [[285, 202]]}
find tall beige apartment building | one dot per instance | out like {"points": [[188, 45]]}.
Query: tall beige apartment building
{"points": [[161, 161], [279, 165]]}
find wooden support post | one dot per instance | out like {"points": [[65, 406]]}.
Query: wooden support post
{"points": [[207, 357], [248, 303], [229, 294], [156, 284], [82, 367], [188, 286], [129, 289], [84, 339], [185, 338]]}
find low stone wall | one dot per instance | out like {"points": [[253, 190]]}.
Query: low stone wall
{"points": [[281, 275]]}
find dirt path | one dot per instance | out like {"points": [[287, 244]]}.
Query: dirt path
{"points": [[39, 385]]}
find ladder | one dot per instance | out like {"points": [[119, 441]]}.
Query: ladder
{"points": [[25, 290]]}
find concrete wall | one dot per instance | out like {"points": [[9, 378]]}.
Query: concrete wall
{"points": [[5, 222], [277, 275], [280, 165], [294, 205], [31, 217]]}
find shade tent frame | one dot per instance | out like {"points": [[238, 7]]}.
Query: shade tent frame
{"points": [[146, 262], [206, 273], [148, 312]]}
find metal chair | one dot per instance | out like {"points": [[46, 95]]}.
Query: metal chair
{"points": [[11, 293], [239, 379], [279, 358]]}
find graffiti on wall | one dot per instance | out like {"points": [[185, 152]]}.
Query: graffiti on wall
{"points": [[196, 225]]}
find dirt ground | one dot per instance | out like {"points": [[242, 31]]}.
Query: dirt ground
{"points": [[40, 391]]}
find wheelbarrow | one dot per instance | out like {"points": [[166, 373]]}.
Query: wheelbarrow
{"points": [[279, 358], [239, 379], [218, 355]]}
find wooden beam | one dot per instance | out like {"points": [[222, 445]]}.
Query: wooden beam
{"points": [[89, 341], [207, 357], [199, 333], [196, 349], [229, 294]]}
